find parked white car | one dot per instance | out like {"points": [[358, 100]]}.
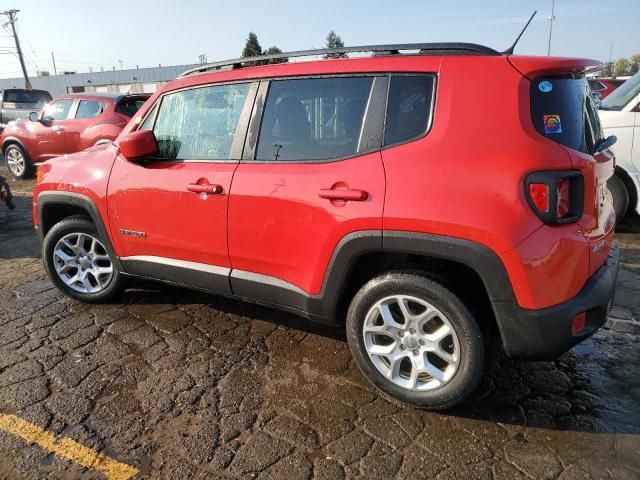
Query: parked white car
{"points": [[620, 116]]}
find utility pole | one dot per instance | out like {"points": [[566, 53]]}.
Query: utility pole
{"points": [[12, 20], [53, 59], [551, 19]]}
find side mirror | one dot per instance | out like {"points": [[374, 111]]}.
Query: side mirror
{"points": [[47, 119], [138, 144], [605, 143], [33, 116]]}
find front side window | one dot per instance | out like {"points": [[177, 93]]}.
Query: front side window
{"points": [[408, 107], [88, 109], [199, 124], [313, 119], [58, 110]]}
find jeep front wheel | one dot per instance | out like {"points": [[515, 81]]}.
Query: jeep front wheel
{"points": [[415, 340], [78, 262]]}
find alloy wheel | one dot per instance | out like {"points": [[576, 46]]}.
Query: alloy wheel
{"points": [[411, 343], [82, 263], [16, 161]]}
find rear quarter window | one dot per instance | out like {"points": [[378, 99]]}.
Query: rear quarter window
{"points": [[558, 110]]}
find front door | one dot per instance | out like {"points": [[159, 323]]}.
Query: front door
{"points": [[312, 173], [168, 214]]}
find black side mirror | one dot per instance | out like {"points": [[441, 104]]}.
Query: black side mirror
{"points": [[605, 143], [33, 116]]}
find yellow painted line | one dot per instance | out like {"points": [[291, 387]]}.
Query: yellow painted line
{"points": [[66, 448]]}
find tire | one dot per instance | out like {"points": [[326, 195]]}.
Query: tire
{"points": [[620, 196], [18, 162], [77, 240], [465, 346]]}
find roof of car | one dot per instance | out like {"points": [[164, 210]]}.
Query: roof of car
{"points": [[116, 97], [442, 48]]}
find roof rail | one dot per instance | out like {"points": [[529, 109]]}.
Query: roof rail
{"points": [[451, 48]]}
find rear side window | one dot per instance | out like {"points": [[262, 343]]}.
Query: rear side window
{"points": [[199, 124], [313, 119], [558, 110], [88, 109], [408, 107]]}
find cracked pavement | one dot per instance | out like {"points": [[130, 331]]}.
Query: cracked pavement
{"points": [[185, 385]]}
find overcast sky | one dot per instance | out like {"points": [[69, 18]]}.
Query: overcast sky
{"points": [[147, 33]]}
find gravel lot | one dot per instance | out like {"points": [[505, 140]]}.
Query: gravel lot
{"points": [[179, 384]]}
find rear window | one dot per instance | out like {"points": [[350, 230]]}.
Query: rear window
{"points": [[129, 106], [25, 99], [558, 110]]}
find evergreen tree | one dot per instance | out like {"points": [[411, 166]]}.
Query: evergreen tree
{"points": [[272, 51], [252, 48], [334, 41]]}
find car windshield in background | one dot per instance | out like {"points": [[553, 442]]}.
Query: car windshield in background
{"points": [[622, 95], [25, 98]]}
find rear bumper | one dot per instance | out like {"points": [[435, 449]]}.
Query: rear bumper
{"points": [[546, 334]]}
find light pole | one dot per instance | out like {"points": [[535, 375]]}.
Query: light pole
{"points": [[551, 19]]}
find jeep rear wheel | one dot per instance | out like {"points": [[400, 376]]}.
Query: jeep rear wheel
{"points": [[620, 196], [78, 262], [415, 340], [18, 162]]}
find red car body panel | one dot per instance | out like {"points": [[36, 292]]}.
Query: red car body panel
{"points": [[155, 199], [281, 227], [58, 137], [464, 179], [604, 87]]}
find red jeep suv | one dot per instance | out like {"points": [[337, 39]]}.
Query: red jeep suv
{"points": [[380, 192], [65, 125]]}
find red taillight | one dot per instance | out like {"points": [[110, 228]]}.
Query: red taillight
{"points": [[539, 194], [579, 322], [564, 198], [556, 197]]}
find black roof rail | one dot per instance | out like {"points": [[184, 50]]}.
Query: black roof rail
{"points": [[449, 48]]}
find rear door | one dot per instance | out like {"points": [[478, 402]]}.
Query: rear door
{"points": [[311, 174]]}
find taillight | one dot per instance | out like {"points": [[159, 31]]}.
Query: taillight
{"points": [[556, 197]]}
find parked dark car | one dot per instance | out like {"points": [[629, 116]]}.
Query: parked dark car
{"points": [[68, 124], [18, 103]]}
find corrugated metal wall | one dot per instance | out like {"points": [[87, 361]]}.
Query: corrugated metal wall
{"points": [[134, 80]]}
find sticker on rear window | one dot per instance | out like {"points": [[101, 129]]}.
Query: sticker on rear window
{"points": [[552, 124], [545, 86]]}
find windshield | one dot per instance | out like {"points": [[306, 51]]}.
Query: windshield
{"points": [[622, 95]]}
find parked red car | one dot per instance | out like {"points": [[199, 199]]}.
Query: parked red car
{"points": [[602, 87], [380, 193], [67, 124]]}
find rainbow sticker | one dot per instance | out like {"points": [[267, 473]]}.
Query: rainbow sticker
{"points": [[552, 124]]}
